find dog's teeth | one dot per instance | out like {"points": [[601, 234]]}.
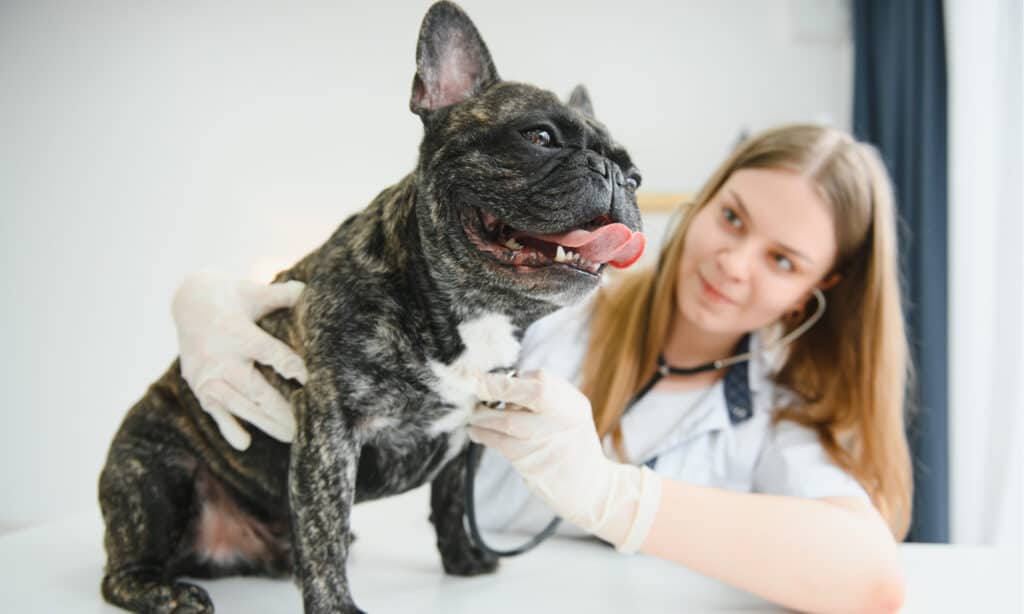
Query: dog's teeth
{"points": [[566, 255], [513, 244]]}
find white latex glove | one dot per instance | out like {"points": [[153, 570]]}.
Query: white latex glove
{"points": [[547, 432], [218, 340]]}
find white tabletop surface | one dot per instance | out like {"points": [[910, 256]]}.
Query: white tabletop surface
{"points": [[394, 567]]}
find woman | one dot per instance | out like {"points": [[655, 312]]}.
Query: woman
{"points": [[787, 475]]}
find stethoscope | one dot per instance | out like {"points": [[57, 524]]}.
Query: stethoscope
{"points": [[664, 369]]}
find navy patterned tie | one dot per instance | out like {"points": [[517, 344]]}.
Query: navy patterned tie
{"points": [[737, 387]]}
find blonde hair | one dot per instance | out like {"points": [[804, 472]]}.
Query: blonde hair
{"points": [[849, 370]]}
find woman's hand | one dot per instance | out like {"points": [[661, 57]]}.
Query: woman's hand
{"points": [[547, 432], [219, 341]]}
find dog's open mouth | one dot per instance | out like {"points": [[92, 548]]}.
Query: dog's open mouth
{"points": [[586, 249]]}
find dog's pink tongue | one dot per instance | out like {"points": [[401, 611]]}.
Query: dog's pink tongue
{"points": [[614, 243]]}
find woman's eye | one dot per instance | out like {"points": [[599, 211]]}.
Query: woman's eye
{"points": [[539, 136], [783, 262], [731, 218]]}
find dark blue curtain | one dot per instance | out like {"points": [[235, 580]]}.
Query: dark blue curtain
{"points": [[900, 107]]}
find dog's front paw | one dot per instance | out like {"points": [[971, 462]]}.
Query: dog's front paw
{"points": [[468, 560], [314, 607]]}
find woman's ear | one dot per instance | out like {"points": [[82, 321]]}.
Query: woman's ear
{"points": [[830, 281]]}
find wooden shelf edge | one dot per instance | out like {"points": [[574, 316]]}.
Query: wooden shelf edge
{"points": [[661, 202]]}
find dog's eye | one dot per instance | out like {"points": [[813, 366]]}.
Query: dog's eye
{"points": [[539, 136], [633, 181]]}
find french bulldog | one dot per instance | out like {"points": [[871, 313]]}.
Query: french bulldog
{"points": [[517, 204]]}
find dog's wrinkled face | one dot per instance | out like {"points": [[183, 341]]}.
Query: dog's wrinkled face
{"points": [[516, 182]]}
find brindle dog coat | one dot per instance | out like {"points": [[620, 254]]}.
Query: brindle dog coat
{"points": [[432, 282]]}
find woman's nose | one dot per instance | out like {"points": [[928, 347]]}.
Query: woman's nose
{"points": [[734, 262]]}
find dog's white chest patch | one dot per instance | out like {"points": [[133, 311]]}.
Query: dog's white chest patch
{"points": [[490, 344]]}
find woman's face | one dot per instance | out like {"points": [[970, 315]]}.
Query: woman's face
{"points": [[755, 251]]}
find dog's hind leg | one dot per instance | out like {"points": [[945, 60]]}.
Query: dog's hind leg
{"points": [[146, 501], [459, 555]]}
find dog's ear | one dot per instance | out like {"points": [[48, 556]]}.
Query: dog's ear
{"points": [[452, 61], [579, 99]]}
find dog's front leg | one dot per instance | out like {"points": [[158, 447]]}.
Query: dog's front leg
{"points": [[459, 555], [321, 484]]}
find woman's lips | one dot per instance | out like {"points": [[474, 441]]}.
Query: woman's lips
{"points": [[712, 292]]}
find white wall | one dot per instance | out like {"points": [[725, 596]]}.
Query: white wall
{"points": [[141, 140], [986, 270]]}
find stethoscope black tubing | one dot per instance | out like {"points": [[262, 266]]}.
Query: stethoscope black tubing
{"points": [[472, 459]]}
